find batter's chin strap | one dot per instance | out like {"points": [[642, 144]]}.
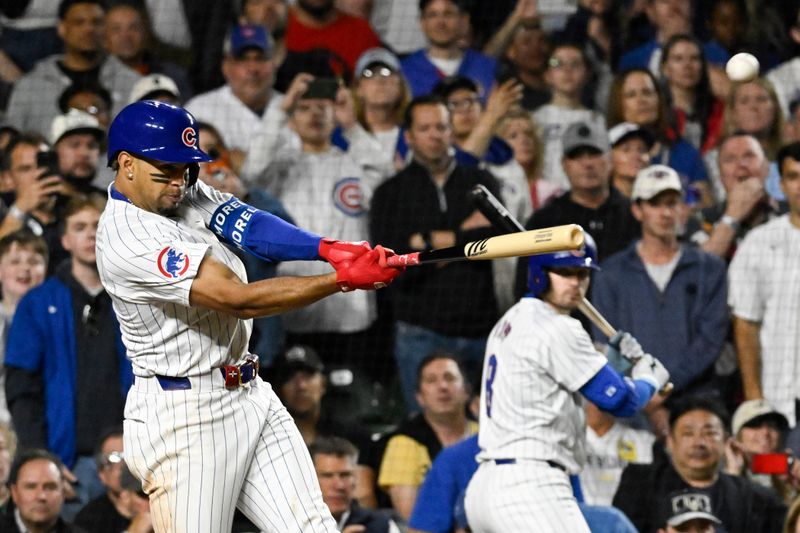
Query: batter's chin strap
{"points": [[192, 172]]}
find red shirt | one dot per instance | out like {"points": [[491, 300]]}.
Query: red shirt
{"points": [[347, 36]]}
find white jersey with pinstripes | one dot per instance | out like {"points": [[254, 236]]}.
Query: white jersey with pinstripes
{"points": [[536, 362], [147, 263]]}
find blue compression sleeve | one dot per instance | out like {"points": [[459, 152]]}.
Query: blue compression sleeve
{"points": [[262, 234], [613, 394]]}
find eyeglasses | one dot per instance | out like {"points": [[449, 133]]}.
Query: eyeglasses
{"points": [[380, 72], [555, 62], [462, 105], [113, 458]]}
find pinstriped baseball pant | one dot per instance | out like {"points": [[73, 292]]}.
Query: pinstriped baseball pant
{"points": [[205, 451], [528, 496]]}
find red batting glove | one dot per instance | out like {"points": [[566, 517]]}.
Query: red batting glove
{"points": [[337, 253], [368, 271]]}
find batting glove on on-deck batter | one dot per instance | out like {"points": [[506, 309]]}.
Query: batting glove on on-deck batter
{"points": [[616, 358], [368, 271], [339, 252], [650, 370]]}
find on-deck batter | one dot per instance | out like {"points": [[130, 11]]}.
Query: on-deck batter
{"points": [[538, 363], [202, 430]]}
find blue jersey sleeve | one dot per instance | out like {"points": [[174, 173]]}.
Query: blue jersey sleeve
{"points": [[617, 395], [262, 234]]}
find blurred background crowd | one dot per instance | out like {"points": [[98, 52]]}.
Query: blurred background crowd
{"points": [[373, 120]]}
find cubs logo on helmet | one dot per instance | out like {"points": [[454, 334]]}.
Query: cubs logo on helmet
{"points": [[189, 136]]}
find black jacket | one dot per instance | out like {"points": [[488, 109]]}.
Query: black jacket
{"points": [[453, 299], [372, 521], [741, 505]]}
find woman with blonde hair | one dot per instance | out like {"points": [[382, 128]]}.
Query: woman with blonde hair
{"points": [[521, 133], [380, 96], [751, 107]]}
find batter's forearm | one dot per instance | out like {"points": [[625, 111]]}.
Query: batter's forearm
{"points": [[748, 350]]}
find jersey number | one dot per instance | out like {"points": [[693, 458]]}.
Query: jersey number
{"points": [[491, 371]]}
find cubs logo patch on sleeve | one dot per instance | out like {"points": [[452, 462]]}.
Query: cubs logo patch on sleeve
{"points": [[172, 263]]}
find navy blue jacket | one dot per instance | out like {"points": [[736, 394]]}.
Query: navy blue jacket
{"points": [[685, 326]]}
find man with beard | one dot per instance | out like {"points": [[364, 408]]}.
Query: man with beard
{"points": [[34, 101], [696, 442], [315, 24]]}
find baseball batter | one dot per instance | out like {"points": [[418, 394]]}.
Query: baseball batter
{"points": [[538, 364], [202, 431]]}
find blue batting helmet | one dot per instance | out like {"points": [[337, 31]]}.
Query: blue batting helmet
{"points": [[159, 131], [537, 264]]}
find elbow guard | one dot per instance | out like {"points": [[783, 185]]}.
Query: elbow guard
{"points": [[262, 234], [615, 395]]}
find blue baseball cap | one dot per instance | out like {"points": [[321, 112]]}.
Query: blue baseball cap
{"points": [[244, 37]]}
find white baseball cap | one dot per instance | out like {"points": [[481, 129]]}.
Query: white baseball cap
{"points": [[653, 180], [75, 121], [151, 84], [752, 410]]}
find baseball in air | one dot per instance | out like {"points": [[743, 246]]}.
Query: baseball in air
{"points": [[742, 67]]}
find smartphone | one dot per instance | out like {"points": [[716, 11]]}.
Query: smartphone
{"points": [[325, 88], [771, 463], [48, 160]]}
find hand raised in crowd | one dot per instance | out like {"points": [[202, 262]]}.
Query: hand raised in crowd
{"points": [[296, 89], [36, 194], [344, 109], [743, 198], [525, 9], [503, 98], [355, 528], [734, 457], [67, 479]]}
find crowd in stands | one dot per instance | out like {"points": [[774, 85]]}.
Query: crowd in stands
{"points": [[373, 120]]}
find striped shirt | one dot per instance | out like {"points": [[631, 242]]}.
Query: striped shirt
{"points": [[147, 263], [531, 408]]}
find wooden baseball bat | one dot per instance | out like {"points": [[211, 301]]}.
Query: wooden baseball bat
{"points": [[492, 209], [540, 241]]}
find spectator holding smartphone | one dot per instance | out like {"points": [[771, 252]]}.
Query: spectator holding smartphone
{"points": [[755, 449]]}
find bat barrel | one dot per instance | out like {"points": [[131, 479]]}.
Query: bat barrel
{"points": [[541, 241]]}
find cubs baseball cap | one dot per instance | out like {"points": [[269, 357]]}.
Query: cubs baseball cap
{"points": [[754, 412], [153, 85], [75, 121], [247, 36], [653, 180], [628, 130], [685, 505], [584, 135], [298, 357], [377, 56]]}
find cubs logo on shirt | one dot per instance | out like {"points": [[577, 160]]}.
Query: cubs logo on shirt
{"points": [[348, 197], [172, 263]]}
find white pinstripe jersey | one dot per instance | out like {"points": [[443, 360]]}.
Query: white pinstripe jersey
{"points": [[536, 361], [147, 263]]}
